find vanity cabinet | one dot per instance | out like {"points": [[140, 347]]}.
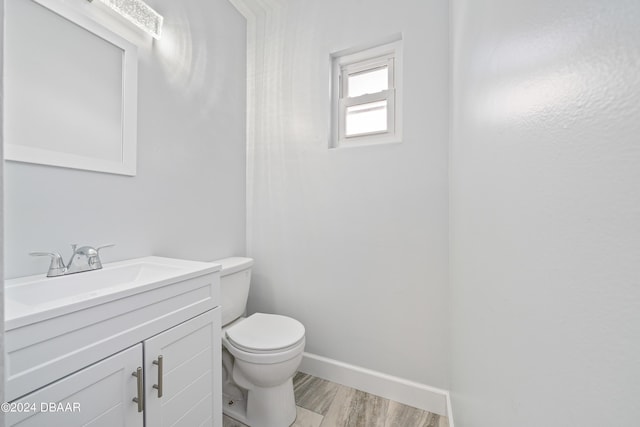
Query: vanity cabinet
{"points": [[99, 395], [178, 384], [147, 358]]}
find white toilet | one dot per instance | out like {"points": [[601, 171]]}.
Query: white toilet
{"points": [[260, 354]]}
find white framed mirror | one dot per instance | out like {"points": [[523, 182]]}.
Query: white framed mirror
{"points": [[70, 89]]}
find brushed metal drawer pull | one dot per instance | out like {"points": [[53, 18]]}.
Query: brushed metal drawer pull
{"points": [[140, 398], [160, 363]]}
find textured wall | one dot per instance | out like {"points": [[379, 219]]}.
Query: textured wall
{"points": [[188, 198], [352, 241], [1, 217], [545, 218]]}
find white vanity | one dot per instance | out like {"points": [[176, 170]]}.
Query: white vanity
{"points": [[136, 343]]}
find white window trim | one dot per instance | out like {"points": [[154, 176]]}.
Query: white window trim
{"points": [[389, 55]]}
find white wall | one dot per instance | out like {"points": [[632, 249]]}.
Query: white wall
{"points": [[1, 216], [546, 213], [352, 242], [188, 198]]}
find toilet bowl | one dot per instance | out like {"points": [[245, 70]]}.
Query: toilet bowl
{"points": [[261, 353], [267, 350]]}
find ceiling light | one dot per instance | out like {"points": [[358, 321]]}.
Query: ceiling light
{"points": [[138, 13]]}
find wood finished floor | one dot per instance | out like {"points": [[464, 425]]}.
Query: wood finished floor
{"points": [[321, 403]]}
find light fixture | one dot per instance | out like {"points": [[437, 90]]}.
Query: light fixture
{"points": [[138, 13]]}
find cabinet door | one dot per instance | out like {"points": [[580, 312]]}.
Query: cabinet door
{"points": [[99, 395], [190, 394]]}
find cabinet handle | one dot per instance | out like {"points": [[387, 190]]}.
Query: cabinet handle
{"points": [[140, 398], [160, 363]]}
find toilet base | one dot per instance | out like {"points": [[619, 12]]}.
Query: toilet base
{"points": [[264, 407], [236, 409], [271, 407]]}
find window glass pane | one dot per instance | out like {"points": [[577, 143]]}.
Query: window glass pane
{"points": [[369, 81], [366, 118]]}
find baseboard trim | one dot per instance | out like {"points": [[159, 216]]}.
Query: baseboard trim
{"points": [[410, 393], [449, 410]]}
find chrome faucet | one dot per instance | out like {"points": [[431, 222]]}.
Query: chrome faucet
{"points": [[85, 258]]}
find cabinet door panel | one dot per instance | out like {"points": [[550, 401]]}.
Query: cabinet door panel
{"points": [[191, 359], [187, 375], [199, 412], [182, 403], [102, 392]]}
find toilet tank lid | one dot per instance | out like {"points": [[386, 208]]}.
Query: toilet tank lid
{"points": [[234, 264]]}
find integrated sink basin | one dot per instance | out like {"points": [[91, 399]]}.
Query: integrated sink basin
{"points": [[36, 298], [56, 326]]}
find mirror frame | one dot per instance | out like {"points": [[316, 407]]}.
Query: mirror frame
{"points": [[127, 165]]}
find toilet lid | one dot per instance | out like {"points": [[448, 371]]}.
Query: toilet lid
{"points": [[265, 332]]}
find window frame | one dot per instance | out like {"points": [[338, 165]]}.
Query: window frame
{"points": [[349, 63]]}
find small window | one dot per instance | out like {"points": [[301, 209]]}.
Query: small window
{"points": [[366, 93]]}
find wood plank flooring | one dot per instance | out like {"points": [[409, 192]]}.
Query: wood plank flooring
{"points": [[322, 403]]}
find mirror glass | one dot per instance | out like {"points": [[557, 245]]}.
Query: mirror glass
{"points": [[71, 90]]}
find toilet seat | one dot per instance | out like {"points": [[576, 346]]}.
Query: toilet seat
{"points": [[263, 333]]}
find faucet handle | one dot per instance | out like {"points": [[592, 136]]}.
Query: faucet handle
{"points": [[109, 245], [96, 262], [57, 267]]}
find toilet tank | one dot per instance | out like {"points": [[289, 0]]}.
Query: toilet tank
{"points": [[235, 277]]}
